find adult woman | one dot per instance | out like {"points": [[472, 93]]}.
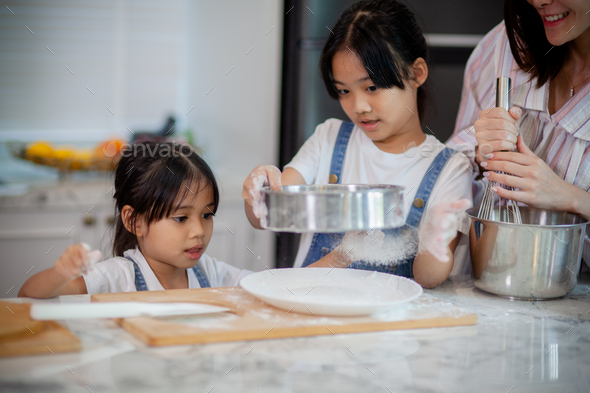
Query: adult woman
{"points": [[544, 46]]}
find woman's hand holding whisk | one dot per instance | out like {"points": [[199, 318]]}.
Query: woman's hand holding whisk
{"points": [[538, 186], [496, 130]]}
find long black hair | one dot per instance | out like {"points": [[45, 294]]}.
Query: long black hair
{"points": [[387, 39], [528, 42], [153, 178]]}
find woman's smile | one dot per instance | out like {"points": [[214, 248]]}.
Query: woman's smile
{"points": [[554, 20], [564, 20]]}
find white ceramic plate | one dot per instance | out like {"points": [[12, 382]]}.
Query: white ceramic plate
{"points": [[331, 292]]}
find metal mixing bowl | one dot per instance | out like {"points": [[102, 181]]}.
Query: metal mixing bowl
{"points": [[333, 208], [538, 259]]}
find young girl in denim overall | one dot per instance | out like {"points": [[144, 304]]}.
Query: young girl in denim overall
{"points": [[166, 197], [374, 63]]}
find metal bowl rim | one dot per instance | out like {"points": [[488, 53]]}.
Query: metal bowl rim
{"points": [[585, 222], [336, 189]]}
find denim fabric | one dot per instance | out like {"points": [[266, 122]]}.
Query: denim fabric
{"points": [[140, 284], [201, 277], [427, 184], [323, 243], [340, 148]]}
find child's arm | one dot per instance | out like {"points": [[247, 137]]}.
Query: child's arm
{"points": [[64, 278], [429, 271], [336, 258], [438, 239], [264, 175]]}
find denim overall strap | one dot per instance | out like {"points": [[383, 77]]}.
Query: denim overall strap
{"points": [[140, 284], [426, 186], [340, 149], [201, 277], [322, 241]]}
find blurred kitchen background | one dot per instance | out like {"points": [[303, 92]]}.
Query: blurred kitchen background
{"points": [[238, 79]]}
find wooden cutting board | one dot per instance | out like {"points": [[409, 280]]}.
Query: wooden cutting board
{"points": [[20, 335], [252, 319]]}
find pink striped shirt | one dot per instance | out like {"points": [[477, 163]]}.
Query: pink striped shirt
{"points": [[562, 140]]}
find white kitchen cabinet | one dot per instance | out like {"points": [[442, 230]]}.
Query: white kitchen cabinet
{"points": [[36, 228]]}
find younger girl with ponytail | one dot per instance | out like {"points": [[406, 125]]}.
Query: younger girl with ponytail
{"points": [[166, 197]]}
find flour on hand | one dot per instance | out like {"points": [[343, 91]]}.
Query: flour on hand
{"points": [[262, 175], [439, 227], [92, 257]]}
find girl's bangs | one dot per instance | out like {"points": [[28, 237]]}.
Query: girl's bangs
{"points": [[172, 186], [384, 65], [165, 188], [189, 189]]}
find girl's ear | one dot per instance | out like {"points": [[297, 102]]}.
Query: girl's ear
{"points": [[130, 222], [419, 72]]}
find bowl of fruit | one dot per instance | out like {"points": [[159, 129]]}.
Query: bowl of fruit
{"points": [[67, 158]]}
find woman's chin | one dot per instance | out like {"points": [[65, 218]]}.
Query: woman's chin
{"points": [[556, 42], [558, 38]]}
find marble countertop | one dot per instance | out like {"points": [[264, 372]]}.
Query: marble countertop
{"points": [[516, 347]]}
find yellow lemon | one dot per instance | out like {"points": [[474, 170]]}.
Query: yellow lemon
{"points": [[64, 153], [40, 150]]}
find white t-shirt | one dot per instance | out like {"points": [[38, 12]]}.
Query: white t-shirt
{"points": [[118, 274], [365, 163]]}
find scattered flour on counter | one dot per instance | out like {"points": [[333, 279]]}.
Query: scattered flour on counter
{"points": [[294, 319], [204, 321], [426, 306]]}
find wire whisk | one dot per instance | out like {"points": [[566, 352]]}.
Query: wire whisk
{"points": [[493, 207]]}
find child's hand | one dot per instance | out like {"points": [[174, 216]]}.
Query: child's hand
{"points": [[262, 175], [77, 260], [438, 228]]}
